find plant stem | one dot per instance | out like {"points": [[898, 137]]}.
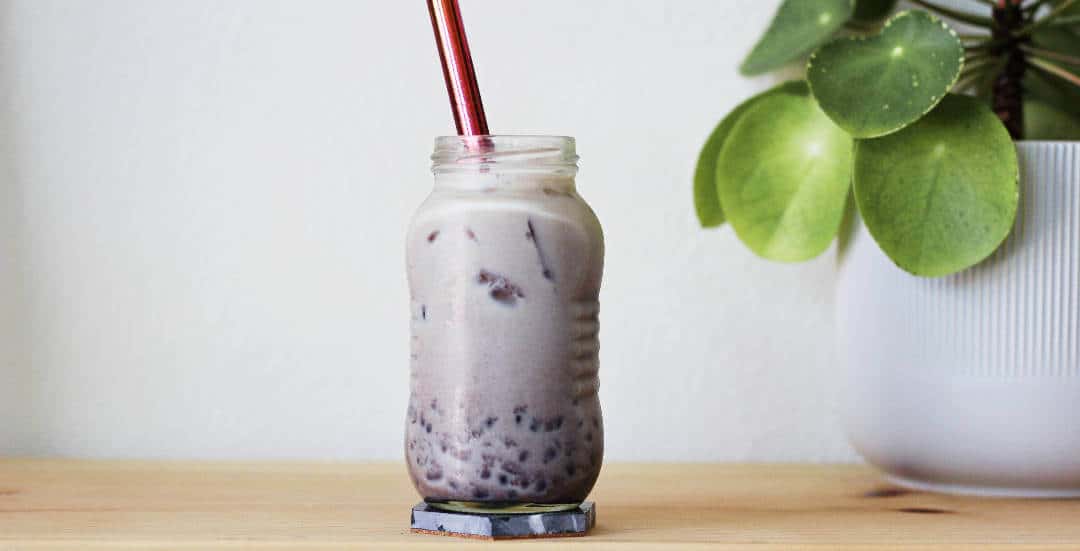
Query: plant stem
{"points": [[977, 64], [1050, 17], [1007, 92], [989, 44], [977, 76], [1055, 70], [968, 18], [965, 82], [1065, 21], [1034, 6], [977, 73], [986, 88], [1051, 55]]}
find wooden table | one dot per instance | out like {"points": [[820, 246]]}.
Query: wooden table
{"points": [[283, 506]]}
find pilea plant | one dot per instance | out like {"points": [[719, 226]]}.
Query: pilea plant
{"points": [[901, 118]]}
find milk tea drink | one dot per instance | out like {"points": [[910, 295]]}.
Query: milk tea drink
{"points": [[504, 267]]}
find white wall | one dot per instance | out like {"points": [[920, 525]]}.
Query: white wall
{"points": [[202, 208]]}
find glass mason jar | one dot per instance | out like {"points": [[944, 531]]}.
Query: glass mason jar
{"points": [[504, 267]]}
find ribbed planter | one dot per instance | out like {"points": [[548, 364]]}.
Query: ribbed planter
{"points": [[971, 383]]}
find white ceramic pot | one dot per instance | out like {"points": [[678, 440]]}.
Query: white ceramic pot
{"points": [[971, 383]]}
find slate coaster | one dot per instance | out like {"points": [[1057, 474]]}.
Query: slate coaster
{"points": [[575, 522]]}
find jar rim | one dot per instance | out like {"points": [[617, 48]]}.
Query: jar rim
{"points": [[505, 152]]}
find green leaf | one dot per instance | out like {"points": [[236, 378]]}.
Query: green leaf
{"points": [[798, 27], [1052, 91], [1058, 39], [873, 86], [710, 213], [1044, 122], [848, 224], [869, 11], [783, 175], [706, 204], [1071, 10], [940, 195]]}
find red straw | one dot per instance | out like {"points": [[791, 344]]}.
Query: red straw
{"points": [[458, 68]]}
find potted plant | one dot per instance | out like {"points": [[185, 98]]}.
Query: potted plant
{"points": [[959, 302]]}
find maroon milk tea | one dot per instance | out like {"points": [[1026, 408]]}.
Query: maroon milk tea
{"points": [[504, 265]]}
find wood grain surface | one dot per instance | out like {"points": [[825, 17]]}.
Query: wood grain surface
{"points": [[57, 504]]}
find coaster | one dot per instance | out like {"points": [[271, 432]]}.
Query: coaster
{"points": [[496, 526]]}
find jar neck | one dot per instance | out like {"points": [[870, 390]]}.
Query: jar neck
{"points": [[505, 163], [498, 181]]}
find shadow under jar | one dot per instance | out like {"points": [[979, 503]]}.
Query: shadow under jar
{"points": [[504, 264]]}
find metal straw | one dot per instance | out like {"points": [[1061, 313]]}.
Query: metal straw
{"points": [[458, 68]]}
